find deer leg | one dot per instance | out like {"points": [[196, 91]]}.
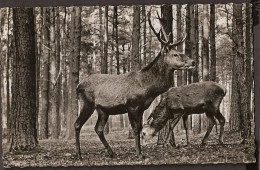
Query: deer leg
{"points": [[221, 120], [85, 113], [211, 124], [185, 124], [99, 128], [136, 123]]}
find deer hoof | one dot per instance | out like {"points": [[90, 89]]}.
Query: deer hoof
{"points": [[79, 157], [111, 154], [203, 144], [141, 156], [221, 143]]}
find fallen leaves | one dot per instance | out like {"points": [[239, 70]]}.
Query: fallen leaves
{"points": [[63, 152]]}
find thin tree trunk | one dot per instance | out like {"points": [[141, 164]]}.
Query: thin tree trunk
{"points": [[135, 63], [179, 31], [205, 51], [144, 35], [248, 67], [196, 118], [212, 44], [8, 75], [75, 59], [242, 89], [135, 59], [167, 20], [205, 42], [104, 64], [43, 128]]}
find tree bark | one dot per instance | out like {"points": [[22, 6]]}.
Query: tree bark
{"points": [[135, 59], [8, 104], [104, 63], [23, 112], [144, 35], [242, 90], [74, 66], [43, 116], [205, 52], [205, 42], [135, 63], [167, 19], [248, 67], [179, 31], [196, 118], [212, 44]]}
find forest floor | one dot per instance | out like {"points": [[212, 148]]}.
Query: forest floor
{"points": [[62, 152]]}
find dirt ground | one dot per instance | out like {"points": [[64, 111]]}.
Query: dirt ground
{"points": [[62, 152]]}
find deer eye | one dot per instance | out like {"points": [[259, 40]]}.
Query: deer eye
{"points": [[143, 134]]}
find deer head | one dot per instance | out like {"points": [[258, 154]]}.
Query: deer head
{"points": [[173, 58]]}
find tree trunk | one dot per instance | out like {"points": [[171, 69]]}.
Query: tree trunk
{"points": [[179, 31], [104, 59], [205, 42], [65, 72], [144, 35], [205, 52], [53, 106], [234, 120], [135, 62], [167, 19], [55, 78], [242, 90], [43, 116], [196, 118], [135, 59], [248, 67], [212, 44], [75, 59], [23, 112], [8, 76]]}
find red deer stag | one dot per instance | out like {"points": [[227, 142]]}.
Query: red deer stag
{"points": [[130, 93], [182, 101]]}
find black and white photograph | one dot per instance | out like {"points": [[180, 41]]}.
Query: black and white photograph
{"points": [[127, 85]]}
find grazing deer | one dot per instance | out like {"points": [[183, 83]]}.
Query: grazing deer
{"points": [[130, 93], [182, 101]]}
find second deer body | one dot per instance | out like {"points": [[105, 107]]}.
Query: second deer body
{"points": [[182, 101]]}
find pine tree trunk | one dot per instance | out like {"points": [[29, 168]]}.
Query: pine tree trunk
{"points": [[196, 118], [144, 35], [135, 59], [234, 120], [74, 66], [104, 64], [212, 44], [205, 52], [8, 76], [167, 19], [23, 112], [55, 79], [43, 116], [205, 42], [179, 31], [242, 91], [248, 67], [65, 72], [53, 105], [135, 63]]}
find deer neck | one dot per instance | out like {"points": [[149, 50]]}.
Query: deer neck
{"points": [[158, 78]]}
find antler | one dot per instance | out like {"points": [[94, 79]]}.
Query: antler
{"points": [[166, 37], [157, 34], [179, 42]]}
